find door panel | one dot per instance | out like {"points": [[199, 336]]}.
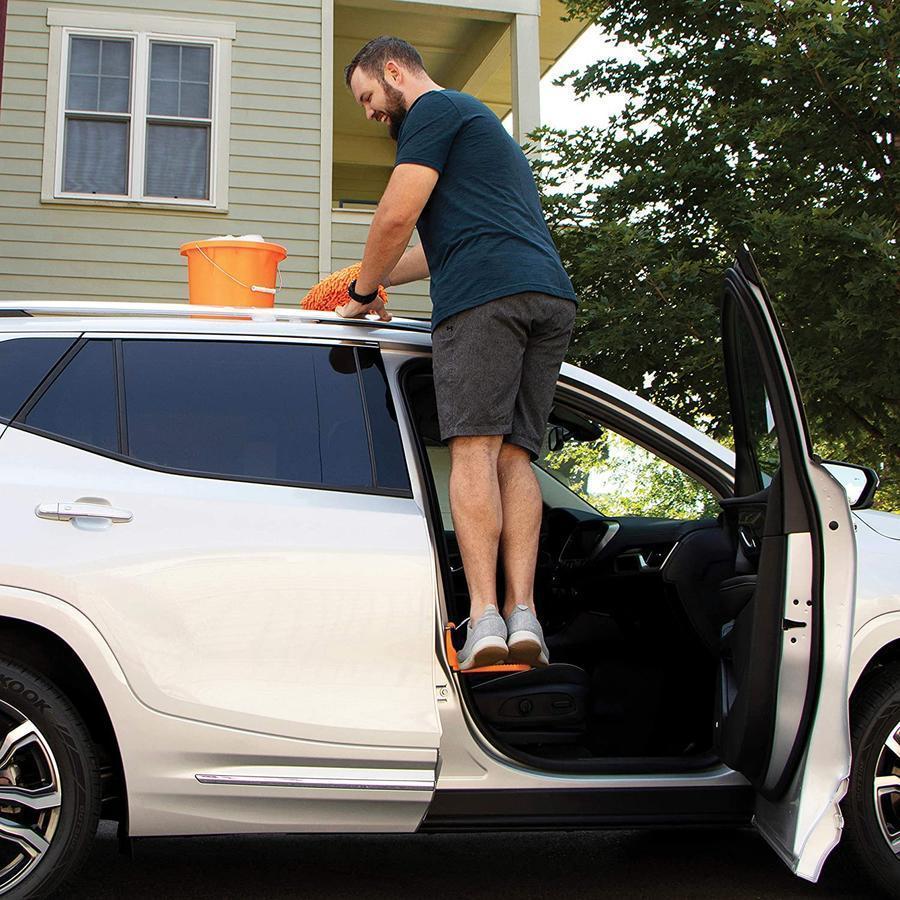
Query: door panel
{"points": [[777, 686], [233, 603], [263, 614]]}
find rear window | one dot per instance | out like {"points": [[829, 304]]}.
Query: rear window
{"points": [[260, 411], [80, 405], [24, 363]]}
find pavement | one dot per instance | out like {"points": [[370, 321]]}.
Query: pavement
{"points": [[657, 863]]}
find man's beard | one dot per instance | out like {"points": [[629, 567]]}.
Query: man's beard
{"points": [[395, 107]]}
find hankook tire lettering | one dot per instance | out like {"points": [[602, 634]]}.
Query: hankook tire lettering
{"points": [[16, 687]]}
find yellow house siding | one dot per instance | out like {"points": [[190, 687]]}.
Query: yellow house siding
{"points": [[101, 251]]}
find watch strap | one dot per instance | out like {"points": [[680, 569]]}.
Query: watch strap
{"points": [[365, 299]]}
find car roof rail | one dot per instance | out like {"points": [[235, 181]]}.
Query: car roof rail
{"points": [[190, 310]]}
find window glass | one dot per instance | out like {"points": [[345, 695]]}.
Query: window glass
{"points": [[98, 81], [177, 161], [260, 411], [620, 478], [96, 157], [762, 435], [23, 364], [178, 152], [99, 75], [390, 464], [179, 80], [81, 403]]}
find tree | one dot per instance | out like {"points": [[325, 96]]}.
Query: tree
{"points": [[767, 123]]}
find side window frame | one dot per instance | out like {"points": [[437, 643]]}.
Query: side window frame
{"points": [[123, 454]]}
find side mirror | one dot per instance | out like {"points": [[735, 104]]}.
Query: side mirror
{"points": [[557, 437], [859, 482]]}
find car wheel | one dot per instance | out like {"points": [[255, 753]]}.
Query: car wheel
{"points": [[872, 805], [49, 785]]}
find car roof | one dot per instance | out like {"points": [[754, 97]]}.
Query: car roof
{"points": [[102, 317]]}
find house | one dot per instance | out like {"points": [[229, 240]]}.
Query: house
{"points": [[126, 131]]}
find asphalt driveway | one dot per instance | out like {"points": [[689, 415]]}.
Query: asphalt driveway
{"points": [[623, 864]]}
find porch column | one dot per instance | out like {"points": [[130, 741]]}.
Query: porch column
{"points": [[326, 156], [526, 75]]}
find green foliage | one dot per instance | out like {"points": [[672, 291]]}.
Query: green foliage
{"points": [[770, 124], [619, 478]]}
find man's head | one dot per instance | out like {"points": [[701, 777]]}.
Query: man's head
{"points": [[385, 76]]}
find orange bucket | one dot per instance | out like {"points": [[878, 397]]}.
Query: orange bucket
{"points": [[232, 272]]}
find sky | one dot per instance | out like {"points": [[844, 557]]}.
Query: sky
{"points": [[559, 108]]}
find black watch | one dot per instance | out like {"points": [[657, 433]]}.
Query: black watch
{"points": [[365, 299]]}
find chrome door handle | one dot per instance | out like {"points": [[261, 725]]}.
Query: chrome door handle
{"points": [[63, 512]]}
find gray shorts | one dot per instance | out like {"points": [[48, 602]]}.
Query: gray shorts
{"points": [[496, 366]]}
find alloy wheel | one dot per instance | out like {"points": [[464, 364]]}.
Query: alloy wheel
{"points": [[30, 796], [887, 789]]}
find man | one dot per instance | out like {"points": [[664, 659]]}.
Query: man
{"points": [[503, 310]]}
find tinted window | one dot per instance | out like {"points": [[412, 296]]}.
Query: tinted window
{"points": [[390, 465], [277, 412], [81, 403], [761, 435], [23, 364]]}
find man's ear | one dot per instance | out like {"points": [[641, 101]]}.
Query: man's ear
{"points": [[392, 72]]}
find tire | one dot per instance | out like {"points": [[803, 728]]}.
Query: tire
{"points": [[874, 720], [46, 750]]}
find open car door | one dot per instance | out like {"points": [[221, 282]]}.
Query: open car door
{"points": [[781, 716]]}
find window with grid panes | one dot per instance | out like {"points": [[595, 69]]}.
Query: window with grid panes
{"points": [[138, 117]]}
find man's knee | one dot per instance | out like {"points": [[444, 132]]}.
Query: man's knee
{"points": [[475, 448], [512, 457]]}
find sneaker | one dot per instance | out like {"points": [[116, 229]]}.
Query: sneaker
{"points": [[526, 638], [485, 642]]}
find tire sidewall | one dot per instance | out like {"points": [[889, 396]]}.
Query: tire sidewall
{"points": [[864, 833], [51, 713]]}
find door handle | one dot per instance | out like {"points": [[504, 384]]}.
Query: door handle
{"points": [[64, 512]]}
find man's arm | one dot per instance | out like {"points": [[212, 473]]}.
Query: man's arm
{"points": [[392, 226], [412, 267]]}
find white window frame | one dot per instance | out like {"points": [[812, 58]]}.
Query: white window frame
{"points": [[141, 30]]}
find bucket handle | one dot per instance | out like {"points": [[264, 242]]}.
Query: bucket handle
{"points": [[250, 287]]}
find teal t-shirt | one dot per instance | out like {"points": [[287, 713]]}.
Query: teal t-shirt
{"points": [[482, 229]]}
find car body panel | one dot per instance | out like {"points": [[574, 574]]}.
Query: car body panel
{"points": [[161, 755], [217, 590], [884, 523]]}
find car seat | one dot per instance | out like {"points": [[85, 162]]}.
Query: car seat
{"points": [[537, 706]]}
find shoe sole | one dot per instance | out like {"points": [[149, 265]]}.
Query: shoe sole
{"points": [[488, 651], [524, 647]]}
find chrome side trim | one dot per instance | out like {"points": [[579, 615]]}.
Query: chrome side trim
{"points": [[298, 781]]}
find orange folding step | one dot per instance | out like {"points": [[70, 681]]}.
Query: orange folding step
{"points": [[500, 668]]}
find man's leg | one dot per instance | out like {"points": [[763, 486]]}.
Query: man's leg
{"points": [[521, 505], [477, 514]]}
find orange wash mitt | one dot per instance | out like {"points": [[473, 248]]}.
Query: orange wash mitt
{"points": [[331, 292]]}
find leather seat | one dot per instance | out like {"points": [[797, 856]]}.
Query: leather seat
{"points": [[539, 706]]}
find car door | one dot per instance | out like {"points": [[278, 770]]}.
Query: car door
{"points": [[235, 517], [781, 714]]}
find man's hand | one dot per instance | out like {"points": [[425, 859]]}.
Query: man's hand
{"points": [[353, 310]]}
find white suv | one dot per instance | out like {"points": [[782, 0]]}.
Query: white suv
{"points": [[229, 578]]}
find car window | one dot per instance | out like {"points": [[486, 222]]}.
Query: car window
{"points": [[24, 362], [618, 477], [80, 404], [261, 411], [759, 422], [390, 464]]}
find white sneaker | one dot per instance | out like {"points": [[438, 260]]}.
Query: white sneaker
{"points": [[526, 638]]}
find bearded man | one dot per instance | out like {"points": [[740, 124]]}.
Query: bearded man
{"points": [[503, 311]]}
